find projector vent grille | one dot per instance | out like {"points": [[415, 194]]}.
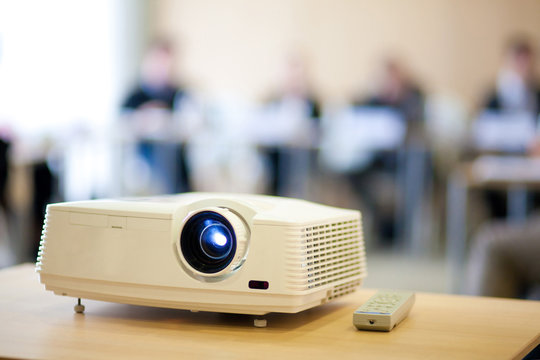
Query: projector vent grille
{"points": [[326, 254], [343, 289], [42, 244]]}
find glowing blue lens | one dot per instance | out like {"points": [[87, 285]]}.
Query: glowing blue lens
{"points": [[208, 242], [216, 241]]}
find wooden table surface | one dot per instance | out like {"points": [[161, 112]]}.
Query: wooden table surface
{"points": [[35, 323]]}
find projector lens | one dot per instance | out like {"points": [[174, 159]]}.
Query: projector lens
{"points": [[208, 242], [216, 241]]}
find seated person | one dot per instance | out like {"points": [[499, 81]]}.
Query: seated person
{"points": [[293, 103], [157, 91], [517, 91], [376, 184], [397, 91]]}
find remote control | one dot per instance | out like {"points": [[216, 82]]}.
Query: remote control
{"points": [[384, 310]]}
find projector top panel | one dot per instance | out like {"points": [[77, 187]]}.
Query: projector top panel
{"points": [[160, 207], [267, 209]]}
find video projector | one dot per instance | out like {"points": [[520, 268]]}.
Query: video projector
{"points": [[233, 253]]}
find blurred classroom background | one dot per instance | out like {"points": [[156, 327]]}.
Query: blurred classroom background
{"points": [[424, 115]]}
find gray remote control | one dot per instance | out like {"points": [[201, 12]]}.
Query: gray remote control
{"points": [[384, 310]]}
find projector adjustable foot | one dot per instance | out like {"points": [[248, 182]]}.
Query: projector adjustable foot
{"points": [[79, 308], [259, 322]]}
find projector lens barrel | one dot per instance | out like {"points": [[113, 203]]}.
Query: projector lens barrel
{"points": [[208, 242]]}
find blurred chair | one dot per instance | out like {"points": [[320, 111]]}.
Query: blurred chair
{"points": [[504, 260]]}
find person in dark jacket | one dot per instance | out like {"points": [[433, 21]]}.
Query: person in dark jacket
{"points": [[157, 91], [375, 184], [517, 91], [295, 101]]}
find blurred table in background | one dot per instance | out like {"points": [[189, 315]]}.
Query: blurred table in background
{"points": [[515, 174]]}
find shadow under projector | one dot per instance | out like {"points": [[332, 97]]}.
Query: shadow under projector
{"points": [[234, 253]]}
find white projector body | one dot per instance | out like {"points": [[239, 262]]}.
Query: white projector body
{"points": [[235, 253]]}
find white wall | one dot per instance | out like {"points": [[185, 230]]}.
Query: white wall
{"points": [[65, 62], [453, 46]]}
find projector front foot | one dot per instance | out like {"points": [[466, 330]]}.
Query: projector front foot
{"points": [[79, 308], [260, 322]]}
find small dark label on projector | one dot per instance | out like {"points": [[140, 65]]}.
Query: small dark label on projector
{"points": [[258, 284]]}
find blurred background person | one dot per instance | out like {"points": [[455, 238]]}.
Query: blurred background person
{"points": [[512, 111], [45, 183], [292, 116], [398, 90], [5, 208], [150, 108], [517, 89], [4, 174], [383, 182]]}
